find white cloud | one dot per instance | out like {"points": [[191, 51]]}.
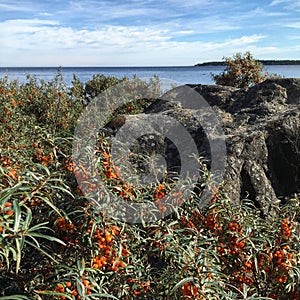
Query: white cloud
{"points": [[185, 32], [40, 34], [45, 14], [39, 41], [204, 25], [113, 10], [191, 3], [287, 4], [277, 2], [13, 7], [19, 23], [142, 32], [293, 25], [244, 40], [262, 12], [46, 34]]}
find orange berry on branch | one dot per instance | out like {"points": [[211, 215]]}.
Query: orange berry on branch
{"points": [[74, 293], [59, 288]]}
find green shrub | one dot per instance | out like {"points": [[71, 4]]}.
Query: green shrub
{"points": [[241, 71], [136, 93], [100, 83]]}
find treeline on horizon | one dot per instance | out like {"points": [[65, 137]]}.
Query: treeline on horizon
{"points": [[264, 62]]}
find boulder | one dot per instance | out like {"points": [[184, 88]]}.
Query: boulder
{"points": [[261, 126]]}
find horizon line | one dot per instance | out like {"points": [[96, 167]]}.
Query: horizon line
{"points": [[207, 63]]}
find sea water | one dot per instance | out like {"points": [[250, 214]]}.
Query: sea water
{"points": [[183, 75]]}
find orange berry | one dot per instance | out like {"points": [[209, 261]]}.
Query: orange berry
{"points": [[68, 284], [195, 290], [240, 244], [60, 288], [120, 264], [136, 293], [286, 247], [85, 282], [13, 103], [7, 204]]}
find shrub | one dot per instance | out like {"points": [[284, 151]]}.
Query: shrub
{"points": [[100, 83], [54, 244], [241, 71]]}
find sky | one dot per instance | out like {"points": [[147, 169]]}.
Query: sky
{"points": [[145, 32]]}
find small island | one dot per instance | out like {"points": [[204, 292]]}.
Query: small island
{"points": [[267, 62]]}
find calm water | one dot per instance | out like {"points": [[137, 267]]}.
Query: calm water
{"points": [[192, 75]]}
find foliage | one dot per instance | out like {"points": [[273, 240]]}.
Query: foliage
{"points": [[241, 71], [100, 83], [54, 244]]}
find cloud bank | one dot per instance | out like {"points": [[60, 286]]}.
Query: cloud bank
{"points": [[144, 33]]}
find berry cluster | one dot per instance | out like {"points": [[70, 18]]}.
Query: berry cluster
{"points": [[71, 289]]}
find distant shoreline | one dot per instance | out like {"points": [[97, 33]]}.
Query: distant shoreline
{"points": [[268, 62]]}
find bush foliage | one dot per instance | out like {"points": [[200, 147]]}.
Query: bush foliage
{"points": [[55, 245], [241, 71]]}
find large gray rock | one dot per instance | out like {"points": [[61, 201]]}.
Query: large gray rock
{"points": [[262, 133]]}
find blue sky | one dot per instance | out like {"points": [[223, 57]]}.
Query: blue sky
{"points": [[145, 32]]}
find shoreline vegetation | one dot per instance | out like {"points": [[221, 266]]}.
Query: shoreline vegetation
{"points": [[268, 62], [55, 243]]}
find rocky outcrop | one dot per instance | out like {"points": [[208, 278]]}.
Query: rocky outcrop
{"points": [[262, 128], [262, 133]]}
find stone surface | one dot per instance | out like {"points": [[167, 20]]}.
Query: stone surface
{"points": [[262, 133]]}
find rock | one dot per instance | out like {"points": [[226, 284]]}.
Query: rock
{"points": [[262, 132], [214, 95], [292, 86]]}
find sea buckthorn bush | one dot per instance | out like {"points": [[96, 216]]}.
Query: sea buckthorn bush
{"points": [[241, 71], [54, 244]]}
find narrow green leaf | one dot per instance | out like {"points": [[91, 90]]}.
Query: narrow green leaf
{"points": [[42, 251], [104, 295], [17, 213], [28, 219], [18, 257], [48, 202], [38, 227], [53, 294], [181, 283], [47, 237]]}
